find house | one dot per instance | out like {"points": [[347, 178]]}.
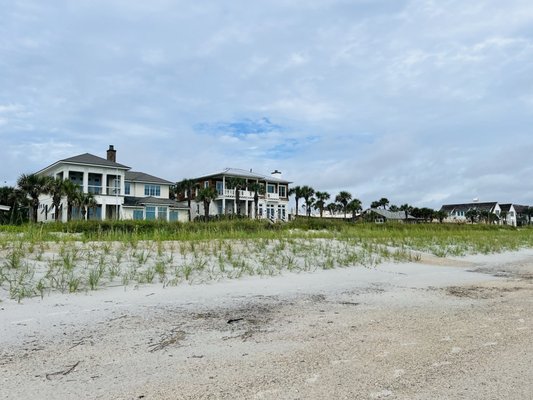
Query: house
{"points": [[458, 212], [272, 204], [118, 192], [379, 215], [514, 214]]}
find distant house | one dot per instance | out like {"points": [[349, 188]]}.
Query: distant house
{"points": [[457, 212], [272, 203], [118, 192], [378, 216], [514, 214]]}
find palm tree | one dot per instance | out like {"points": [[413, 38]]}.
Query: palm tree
{"points": [[55, 187], [307, 193], [85, 201], [258, 189], [238, 184], [354, 206], [71, 191], [297, 192], [32, 185], [343, 198], [185, 188], [320, 202], [332, 208], [384, 202], [207, 195]]}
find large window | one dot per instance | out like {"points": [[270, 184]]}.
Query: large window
{"points": [[138, 214], [220, 187], [283, 191], [162, 213], [150, 213], [271, 188], [126, 188], [152, 190]]}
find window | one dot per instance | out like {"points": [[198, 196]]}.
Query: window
{"points": [[152, 190], [138, 215], [281, 212], [173, 216], [150, 213], [271, 188], [220, 187], [282, 191], [206, 184], [127, 188], [162, 213]]}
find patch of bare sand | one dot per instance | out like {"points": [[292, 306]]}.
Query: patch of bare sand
{"points": [[469, 340]]}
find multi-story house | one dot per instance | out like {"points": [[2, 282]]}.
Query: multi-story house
{"points": [[272, 204], [457, 212], [118, 192]]}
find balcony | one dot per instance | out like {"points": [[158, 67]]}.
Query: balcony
{"points": [[113, 191], [243, 194], [272, 196], [94, 189]]}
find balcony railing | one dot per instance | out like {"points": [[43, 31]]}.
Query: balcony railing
{"points": [[272, 196], [94, 189], [243, 194], [113, 191]]}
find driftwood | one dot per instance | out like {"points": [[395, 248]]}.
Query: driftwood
{"points": [[62, 373]]}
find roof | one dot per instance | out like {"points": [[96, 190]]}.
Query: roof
{"points": [[242, 173], [88, 159], [469, 206], [392, 215], [520, 209], [136, 176], [141, 201]]}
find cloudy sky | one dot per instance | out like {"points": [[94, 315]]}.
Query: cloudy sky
{"points": [[420, 101]]}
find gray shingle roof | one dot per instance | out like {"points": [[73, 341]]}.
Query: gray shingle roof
{"points": [[489, 206], [136, 176], [91, 159], [242, 173], [391, 215]]}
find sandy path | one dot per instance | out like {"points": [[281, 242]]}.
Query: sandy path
{"points": [[401, 331]]}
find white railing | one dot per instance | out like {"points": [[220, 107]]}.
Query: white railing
{"points": [[94, 189], [113, 191], [273, 196], [243, 194]]}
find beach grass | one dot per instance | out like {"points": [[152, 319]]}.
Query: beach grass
{"points": [[85, 256]]}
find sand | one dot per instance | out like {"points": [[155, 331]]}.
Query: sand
{"points": [[456, 328]]}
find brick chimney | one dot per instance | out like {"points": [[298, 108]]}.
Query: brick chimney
{"points": [[111, 154]]}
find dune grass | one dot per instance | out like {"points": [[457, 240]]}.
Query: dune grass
{"points": [[83, 256]]}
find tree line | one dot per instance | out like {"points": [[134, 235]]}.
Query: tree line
{"points": [[24, 199]]}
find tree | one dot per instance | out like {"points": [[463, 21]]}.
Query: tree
{"points": [[17, 201], [320, 202], [332, 208], [207, 195], [71, 191], [307, 193], [85, 201], [185, 188], [503, 216], [343, 198], [354, 207], [384, 202], [441, 215], [472, 214], [394, 208], [55, 187], [375, 204], [32, 185], [297, 192], [258, 189], [238, 184]]}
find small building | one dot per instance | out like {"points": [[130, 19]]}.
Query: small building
{"points": [[514, 214]]}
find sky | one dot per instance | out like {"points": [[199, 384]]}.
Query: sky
{"points": [[423, 102]]}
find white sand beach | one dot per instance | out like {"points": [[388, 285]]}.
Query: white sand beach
{"points": [[456, 328]]}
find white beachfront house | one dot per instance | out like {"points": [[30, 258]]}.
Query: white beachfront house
{"points": [[118, 192], [272, 204], [507, 214]]}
